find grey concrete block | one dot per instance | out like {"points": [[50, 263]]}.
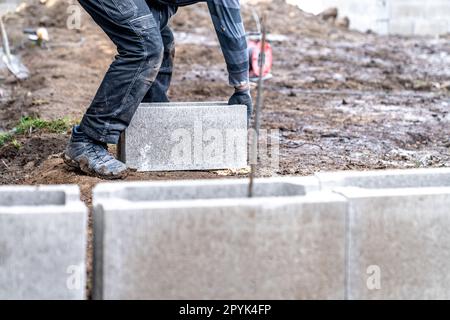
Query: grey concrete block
{"points": [[42, 243], [398, 243], [415, 178], [406, 17], [206, 240], [186, 136]]}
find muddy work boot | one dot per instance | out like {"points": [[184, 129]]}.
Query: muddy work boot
{"points": [[92, 158]]}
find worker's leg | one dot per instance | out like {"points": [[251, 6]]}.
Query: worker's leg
{"points": [[159, 88], [135, 31], [134, 28]]}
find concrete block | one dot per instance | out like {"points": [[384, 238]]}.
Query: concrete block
{"points": [[426, 27], [415, 178], [407, 10], [186, 136], [404, 17], [398, 243], [402, 27], [42, 243], [206, 240]]}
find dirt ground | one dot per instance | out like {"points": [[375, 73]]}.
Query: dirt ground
{"points": [[341, 100]]}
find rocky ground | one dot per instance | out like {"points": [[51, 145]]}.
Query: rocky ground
{"points": [[341, 100]]}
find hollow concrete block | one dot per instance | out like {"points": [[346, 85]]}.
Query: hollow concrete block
{"points": [[206, 240], [398, 243], [42, 243]]}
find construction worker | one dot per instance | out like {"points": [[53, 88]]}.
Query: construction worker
{"points": [[142, 71]]}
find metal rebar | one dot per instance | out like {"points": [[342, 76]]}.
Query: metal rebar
{"points": [[5, 41], [257, 124]]}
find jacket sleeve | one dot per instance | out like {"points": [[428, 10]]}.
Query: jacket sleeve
{"points": [[227, 20]]}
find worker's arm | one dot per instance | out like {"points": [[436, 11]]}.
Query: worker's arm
{"points": [[226, 16]]}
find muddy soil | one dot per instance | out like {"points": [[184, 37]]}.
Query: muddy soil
{"points": [[339, 100]]}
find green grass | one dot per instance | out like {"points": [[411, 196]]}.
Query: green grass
{"points": [[28, 125], [16, 144], [5, 138]]}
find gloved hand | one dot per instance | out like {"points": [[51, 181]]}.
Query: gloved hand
{"points": [[243, 97]]}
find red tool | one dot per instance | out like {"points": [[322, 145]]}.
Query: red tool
{"points": [[254, 49]]}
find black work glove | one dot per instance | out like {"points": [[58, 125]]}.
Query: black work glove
{"points": [[243, 97]]}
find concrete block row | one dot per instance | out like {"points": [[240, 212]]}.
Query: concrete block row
{"points": [[375, 235], [416, 9], [405, 17], [42, 243], [354, 235], [186, 136]]}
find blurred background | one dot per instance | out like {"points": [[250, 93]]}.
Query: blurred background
{"points": [[407, 17]]}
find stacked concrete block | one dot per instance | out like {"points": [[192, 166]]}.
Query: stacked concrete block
{"points": [[398, 243], [415, 178], [415, 17], [186, 136], [42, 243], [405, 17], [206, 240], [396, 232]]}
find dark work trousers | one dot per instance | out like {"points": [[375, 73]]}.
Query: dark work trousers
{"points": [[142, 70]]}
